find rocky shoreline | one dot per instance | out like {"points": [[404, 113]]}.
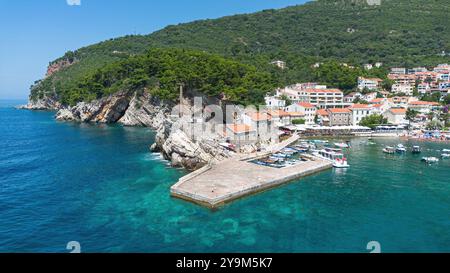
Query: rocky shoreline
{"points": [[142, 110]]}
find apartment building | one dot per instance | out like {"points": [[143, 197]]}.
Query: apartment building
{"points": [[358, 112], [403, 88], [369, 83]]}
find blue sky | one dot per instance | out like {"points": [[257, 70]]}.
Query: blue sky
{"points": [[34, 32]]}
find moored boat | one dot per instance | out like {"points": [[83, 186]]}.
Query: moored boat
{"points": [[334, 156], [389, 150], [341, 145], [416, 150], [400, 148], [430, 160], [445, 156]]}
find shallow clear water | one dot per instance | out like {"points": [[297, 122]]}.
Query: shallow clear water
{"points": [[101, 186]]}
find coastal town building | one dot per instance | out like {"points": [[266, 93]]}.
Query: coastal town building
{"points": [[323, 98], [274, 102], [340, 116], [369, 83], [423, 107], [403, 79], [369, 96], [240, 134], [423, 88], [427, 76], [279, 64], [368, 66], [358, 112], [403, 89], [351, 97], [257, 120], [307, 108], [298, 116], [378, 100], [442, 68], [397, 102], [415, 70], [323, 117], [444, 85], [318, 95], [396, 116], [379, 108], [398, 70], [281, 117]]}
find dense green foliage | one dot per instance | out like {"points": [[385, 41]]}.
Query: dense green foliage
{"points": [[298, 121], [397, 32], [434, 97], [373, 121], [446, 100], [335, 74], [161, 71]]}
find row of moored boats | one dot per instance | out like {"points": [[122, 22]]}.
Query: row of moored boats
{"points": [[401, 149]]}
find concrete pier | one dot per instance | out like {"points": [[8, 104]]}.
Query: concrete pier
{"points": [[220, 183]]}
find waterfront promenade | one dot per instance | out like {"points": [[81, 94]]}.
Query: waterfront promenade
{"points": [[217, 184]]}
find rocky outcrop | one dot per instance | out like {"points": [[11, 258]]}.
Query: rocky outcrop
{"points": [[184, 152], [46, 103], [106, 110], [143, 110]]}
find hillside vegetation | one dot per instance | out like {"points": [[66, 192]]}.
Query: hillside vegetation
{"points": [[397, 32], [161, 71]]}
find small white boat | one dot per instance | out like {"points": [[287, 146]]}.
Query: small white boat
{"points": [[341, 145], [430, 160], [400, 148], [416, 150], [446, 151], [389, 150], [445, 156], [332, 155]]}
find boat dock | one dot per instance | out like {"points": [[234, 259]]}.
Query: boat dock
{"points": [[217, 184]]}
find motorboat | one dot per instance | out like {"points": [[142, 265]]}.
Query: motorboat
{"points": [[341, 145], [389, 150], [430, 160], [280, 155], [416, 150], [445, 156], [400, 148], [332, 155]]}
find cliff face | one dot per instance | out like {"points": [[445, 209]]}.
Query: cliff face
{"points": [[58, 66], [144, 110]]}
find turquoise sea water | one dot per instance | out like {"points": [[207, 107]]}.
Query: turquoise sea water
{"points": [[100, 186]]}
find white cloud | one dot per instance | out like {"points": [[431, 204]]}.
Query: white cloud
{"points": [[73, 2]]}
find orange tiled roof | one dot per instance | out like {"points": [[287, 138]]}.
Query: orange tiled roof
{"points": [[398, 111], [259, 116], [423, 103], [359, 106], [339, 110], [306, 104], [323, 91], [239, 128], [278, 113], [322, 112], [296, 114], [377, 100]]}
